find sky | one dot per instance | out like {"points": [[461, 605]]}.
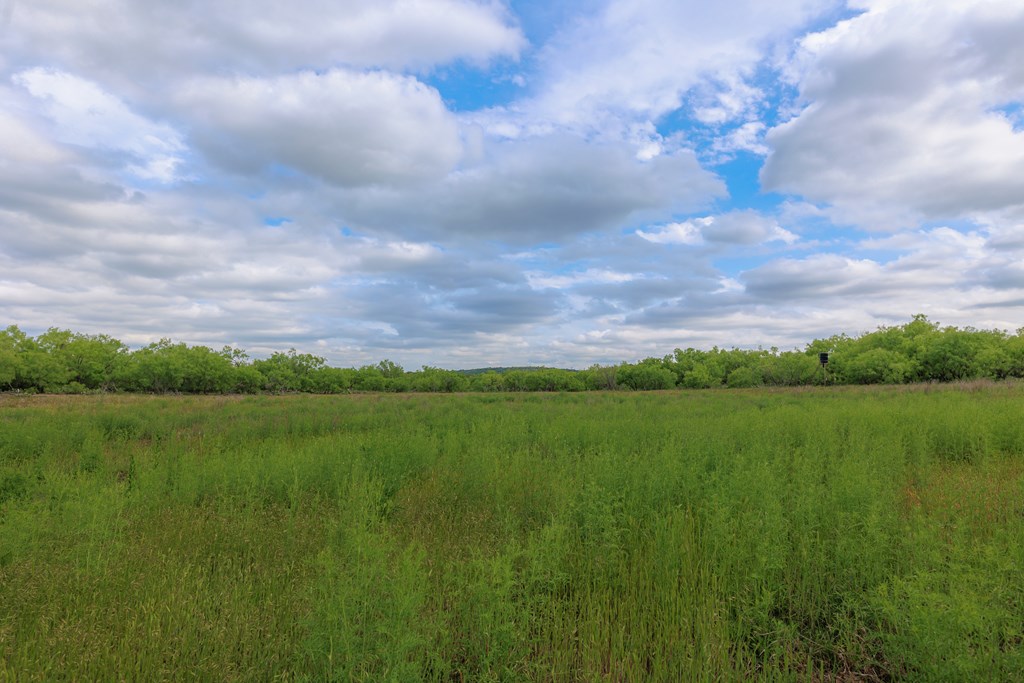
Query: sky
{"points": [[470, 183]]}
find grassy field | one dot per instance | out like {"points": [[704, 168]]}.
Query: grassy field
{"points": [[817, 534]]}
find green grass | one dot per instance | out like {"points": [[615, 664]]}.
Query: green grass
{"points": [[817, 534]]}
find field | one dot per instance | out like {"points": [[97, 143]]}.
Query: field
{"points": [[815, 534]]}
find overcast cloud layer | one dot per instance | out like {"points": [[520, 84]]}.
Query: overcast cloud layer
{"points": [[476, 182]]}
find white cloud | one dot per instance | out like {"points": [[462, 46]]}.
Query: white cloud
{"points": [[745, 227], [333, 201], [901, 119], [83, 114], [348, 128], [724, 101], [22, 144], [540, 189], [735, 228], [638, 57], [933, 248], [542, 280], [749, 137], [687, 232], [820, 276], [940, 271], [122, 41]]}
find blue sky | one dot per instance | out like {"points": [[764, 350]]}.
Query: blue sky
{"points": [[465, 183]]}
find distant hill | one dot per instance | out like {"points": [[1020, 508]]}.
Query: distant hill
{"points": [[500, 371]]}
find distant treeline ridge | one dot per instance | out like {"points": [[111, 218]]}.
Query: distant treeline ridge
{"points": [[62, 361]]}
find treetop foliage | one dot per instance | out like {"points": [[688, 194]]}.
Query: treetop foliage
{"points": [[62, 361]]}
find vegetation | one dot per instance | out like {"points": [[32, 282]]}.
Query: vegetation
{"points": [[813, 534], [61, 361]]}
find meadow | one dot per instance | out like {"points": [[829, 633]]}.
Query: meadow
{"points": [[788, 534]]}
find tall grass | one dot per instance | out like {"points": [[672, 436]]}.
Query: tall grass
{"points": [[828, 534]]}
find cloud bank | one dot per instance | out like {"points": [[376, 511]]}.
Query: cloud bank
{"points": [[472, 182]]}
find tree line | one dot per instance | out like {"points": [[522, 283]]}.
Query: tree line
{"points": [[62, 361]]}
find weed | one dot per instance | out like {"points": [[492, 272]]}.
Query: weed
{"points": [[762, 534]]}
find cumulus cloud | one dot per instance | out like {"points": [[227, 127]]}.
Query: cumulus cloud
{"points": [[748, 137], [641, 56], [348, 128], [939, 271], [40, 175], [541, 189], [957, 277], [745, 227], [85, 115], [902, 119], [723, 101], [687, 232], [309, 175], [22, 144], [732, 228], [542, 280], [120, 41], [825, 275]]}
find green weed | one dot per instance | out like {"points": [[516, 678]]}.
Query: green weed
{"points": [[819, 534]]}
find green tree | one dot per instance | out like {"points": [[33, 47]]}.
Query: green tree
{"points": [[93, 360], [700, 377], [601, 377], [431, 379], [334, 380], [290, 371], [515, 380], [683, 361], [245, 379], [743, 377], [369, 378], [790, 368], [10, 362], [950, 355], [159, 367], [206, 371], [487, 381], [646, 377], [1014, 348], [389, 369], [552, 379], [33, 366], [878, 366]]}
